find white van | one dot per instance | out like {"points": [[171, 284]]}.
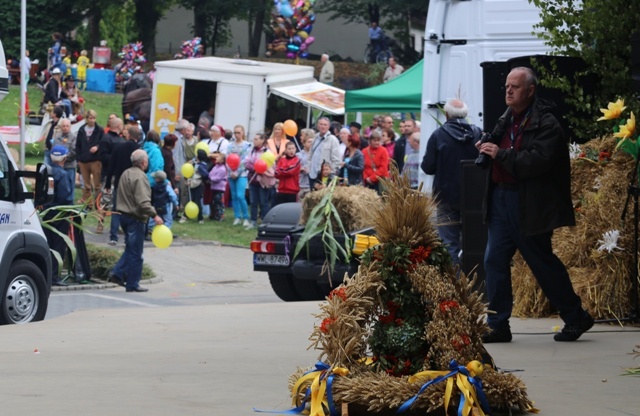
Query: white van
{"points": [[459, 36], [25, 259], [254, 94]]}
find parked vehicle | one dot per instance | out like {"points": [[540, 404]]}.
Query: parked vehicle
{"points": [[303, 277], [25, 259]]}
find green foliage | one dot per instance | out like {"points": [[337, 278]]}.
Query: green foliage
{"points": [[599, 31], [43, 18], [103, 259], [211, 21], [117, 25], [397, 342], [393, 16], [320, 223]]}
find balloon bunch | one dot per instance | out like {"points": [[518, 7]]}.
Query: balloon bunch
{"points": [[292, 23], [190, 49], [132, 57], [267, 159]]}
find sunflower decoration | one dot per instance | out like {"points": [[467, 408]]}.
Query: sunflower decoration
{"points": [[405, 332]]}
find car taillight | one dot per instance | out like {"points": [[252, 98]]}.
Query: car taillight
{"points": [[263, 246]]}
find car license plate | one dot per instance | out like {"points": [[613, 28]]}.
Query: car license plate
{"points": [[270, 259]]}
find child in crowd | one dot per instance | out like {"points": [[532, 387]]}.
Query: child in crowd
{"points": [[218, 180], [288, 174], [196, 182], [306, 139], [83, 64], [66, 61], [325, 178], [163, 198]]}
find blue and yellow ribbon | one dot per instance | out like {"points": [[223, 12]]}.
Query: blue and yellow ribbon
{"points": [[471, 394], [317, 385]]}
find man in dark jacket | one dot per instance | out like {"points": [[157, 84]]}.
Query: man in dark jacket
{"points": [[451, 143], [407, 127], [109, 143], [58, 220], [119, 161], [528, 196]]}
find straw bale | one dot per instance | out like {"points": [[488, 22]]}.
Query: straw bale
{"points": [[356, 206], [601, 279]]}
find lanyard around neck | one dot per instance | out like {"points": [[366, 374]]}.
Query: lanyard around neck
{"points": [[521, 127]]}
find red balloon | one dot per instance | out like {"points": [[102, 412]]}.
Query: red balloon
{"points": [[233, 161], [260, 166]]}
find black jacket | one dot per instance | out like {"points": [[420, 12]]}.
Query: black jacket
{"points": [[542, 169], [399, 151], [84, 143], [119, 162], [52, 92], [107, 146], [354, 168], [453, 142]]}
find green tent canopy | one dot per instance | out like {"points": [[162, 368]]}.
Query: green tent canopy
{"points": [[401, 94]]}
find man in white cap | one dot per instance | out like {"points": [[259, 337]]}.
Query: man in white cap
{"points": [[62, 195], [53, 92]]}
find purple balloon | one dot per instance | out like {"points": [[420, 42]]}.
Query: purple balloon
{"points": [[297, 40], [291, 55], [303, 47], [304, 54], [310, 40]]}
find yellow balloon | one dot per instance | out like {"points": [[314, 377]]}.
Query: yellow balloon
{"points": [[161, 236], [269, 158], [187, 170], [191, 210], [202, 146]]}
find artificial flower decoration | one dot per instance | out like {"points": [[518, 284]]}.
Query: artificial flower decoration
{"points": [[613, 110], [574, 150], [627, 130], [609, 241]]}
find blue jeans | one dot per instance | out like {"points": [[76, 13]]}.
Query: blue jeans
{"points": [[449, 229], [129, 267], [503, 240], [115, 217], [167, 217], [259, 197], [238, 188], [71, 172]]}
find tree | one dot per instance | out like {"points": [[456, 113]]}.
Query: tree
{"points": [[598, 31], [43, 18], [147, 15], [256, 18], [397, 16], [211, 20]]}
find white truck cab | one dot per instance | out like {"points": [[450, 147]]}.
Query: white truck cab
{"points": [[459, 36], [25, 258]]}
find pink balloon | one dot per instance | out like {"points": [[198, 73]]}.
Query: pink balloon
{"points": [[260, 166], [309, 40], [233, 161]]}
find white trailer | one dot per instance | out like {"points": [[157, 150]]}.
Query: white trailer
{"points": [[250, 93], [459, 36]]}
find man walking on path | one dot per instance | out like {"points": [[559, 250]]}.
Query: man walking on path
{"points": [[528, 196], [135, 208]]}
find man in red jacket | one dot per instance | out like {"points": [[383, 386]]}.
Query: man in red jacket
{"points": [[288, 174]]}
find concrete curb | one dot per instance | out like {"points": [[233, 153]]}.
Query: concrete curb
{"points": [[99, 285]]}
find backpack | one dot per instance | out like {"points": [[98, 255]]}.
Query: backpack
{"points": [[160, 198]]}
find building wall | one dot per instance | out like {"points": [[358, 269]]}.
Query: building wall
{"points": [[335, 37]]}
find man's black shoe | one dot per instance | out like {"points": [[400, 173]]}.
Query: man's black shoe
{"points": [[571, 332], [138, 289], [497, 335], [115, 279]]}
